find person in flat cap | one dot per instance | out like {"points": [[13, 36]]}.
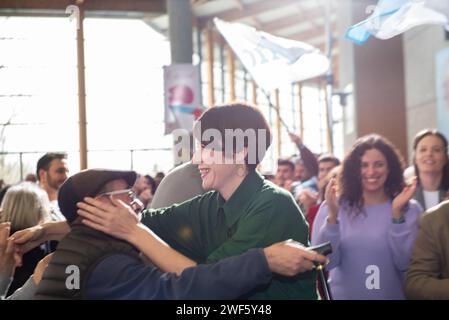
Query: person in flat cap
{"points": [[89, 264]]}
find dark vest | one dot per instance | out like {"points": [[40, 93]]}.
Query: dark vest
{"points": [[84, 248], [419, 196]]}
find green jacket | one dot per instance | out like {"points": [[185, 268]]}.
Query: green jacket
{"points": [[207, 229]]}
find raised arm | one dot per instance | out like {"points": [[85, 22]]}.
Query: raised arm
{"points": [[119, 220], [308, 158], [229, 278], [30, 238], [160, 253]]}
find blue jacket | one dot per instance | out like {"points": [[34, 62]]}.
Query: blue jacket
{"points": [[123, 277]]}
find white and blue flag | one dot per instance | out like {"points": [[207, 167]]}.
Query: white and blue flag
{"points": [[272, 61], [393, 17]]}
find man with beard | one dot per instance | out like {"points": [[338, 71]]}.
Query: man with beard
{"points": [[51, 173]]}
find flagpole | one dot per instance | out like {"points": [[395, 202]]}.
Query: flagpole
{"points": [[301, 115], [278, 122], [272, 106], [329, 77]]}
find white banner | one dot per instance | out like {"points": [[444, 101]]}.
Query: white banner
{"points": [[182, 96]]}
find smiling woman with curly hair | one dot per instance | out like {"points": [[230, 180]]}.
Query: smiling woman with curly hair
{"points": [[371, 222], [351, 178]]}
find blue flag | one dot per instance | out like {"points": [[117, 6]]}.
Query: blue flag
{"points": [[390, 18]]}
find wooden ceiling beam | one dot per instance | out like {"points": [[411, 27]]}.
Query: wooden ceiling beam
{"points": [[154, 6], [310, 33], [294, 19], [250, 10], [322, 46]]}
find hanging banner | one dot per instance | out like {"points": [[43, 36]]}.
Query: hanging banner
{"points": [[182, 90]]}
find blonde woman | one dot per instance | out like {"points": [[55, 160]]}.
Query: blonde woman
{"points": [[25, 205]]}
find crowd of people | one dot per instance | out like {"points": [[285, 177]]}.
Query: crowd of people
{"points": [[34, 201], [215, 228], [370, 209]]}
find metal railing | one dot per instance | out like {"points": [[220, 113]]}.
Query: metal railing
{"points": [[21, 154]]}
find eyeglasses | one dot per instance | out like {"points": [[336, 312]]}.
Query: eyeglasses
{"points": [[129, 192], [132, 200]]}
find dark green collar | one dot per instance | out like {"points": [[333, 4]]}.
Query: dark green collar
{"points": [[233, 208]]}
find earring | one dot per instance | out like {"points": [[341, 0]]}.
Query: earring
{"points": [[241, 171]]}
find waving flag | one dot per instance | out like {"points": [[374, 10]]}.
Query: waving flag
{"points": [[272, 61], [393, 17]]}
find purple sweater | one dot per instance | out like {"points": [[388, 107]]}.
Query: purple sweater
{"points": [[370, 252]]}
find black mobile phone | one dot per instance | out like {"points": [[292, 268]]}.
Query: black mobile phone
{"points": [[323, 248]]}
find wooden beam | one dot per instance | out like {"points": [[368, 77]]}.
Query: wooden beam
{"points": [[239, 4], [294, 19], [256, 23], [231, 67], [218, 38], [250, 9], [335, 64], [335, 70], [254, 92], [309, 34], [330, 148], [210, 65], [198, 2], [81, 89], [158, 6], [322, 46]]}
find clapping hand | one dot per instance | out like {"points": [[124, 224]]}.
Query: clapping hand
{"points": [[403, 198], [332, 201]]}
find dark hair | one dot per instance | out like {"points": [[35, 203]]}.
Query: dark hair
{"points": [[351, 180], [3, 192], [44, 162], [286, 162], [421, 135], [326, 157], [160, 175], [232, 117], [151, 182], [31, 177]]}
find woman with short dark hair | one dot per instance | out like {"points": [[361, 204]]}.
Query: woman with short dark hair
{"points": [[241, 211]]}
